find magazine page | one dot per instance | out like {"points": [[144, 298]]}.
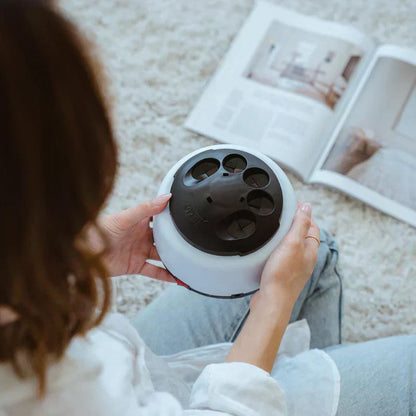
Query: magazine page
{"points": [[279, 85], [372, 153]]}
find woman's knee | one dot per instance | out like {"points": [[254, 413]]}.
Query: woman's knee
{"points": [[377, 377]]}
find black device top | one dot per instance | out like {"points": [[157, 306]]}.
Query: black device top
{"points": [[226, 202]]}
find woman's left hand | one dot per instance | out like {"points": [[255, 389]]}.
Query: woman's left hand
{"points": [[130, 240]]}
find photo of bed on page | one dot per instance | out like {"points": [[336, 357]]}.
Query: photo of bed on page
{"points": [[372, 152], [323, 100], [376, 146]]}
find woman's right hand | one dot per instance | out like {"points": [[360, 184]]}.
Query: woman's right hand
{"points": [[291, 264], [284, 276]]}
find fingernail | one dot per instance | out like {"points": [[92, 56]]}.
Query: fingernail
{"points": [[307, 208], [162, 199]]}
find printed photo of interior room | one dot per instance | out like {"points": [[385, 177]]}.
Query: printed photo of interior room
{"points": [[303, 62], [377, 145]]}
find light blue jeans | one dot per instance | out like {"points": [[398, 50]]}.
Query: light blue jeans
{"points": [[377, 377]]}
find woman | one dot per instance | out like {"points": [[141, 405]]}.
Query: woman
{"points": [[59, 356]]}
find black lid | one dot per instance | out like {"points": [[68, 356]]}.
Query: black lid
{"points": [[226, 202]]}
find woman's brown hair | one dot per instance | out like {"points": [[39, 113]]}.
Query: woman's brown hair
{"points": [[57, 167]]}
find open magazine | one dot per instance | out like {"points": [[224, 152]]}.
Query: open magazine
{"points": [[323, 100]]}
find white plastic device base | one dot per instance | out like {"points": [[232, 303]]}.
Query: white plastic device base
{"points": [[213, 275]]}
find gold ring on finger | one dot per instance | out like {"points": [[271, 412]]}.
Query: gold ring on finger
{"points": [[316, 239]]}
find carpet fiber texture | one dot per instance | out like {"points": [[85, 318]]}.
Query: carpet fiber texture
{"points": [[158, 56]]}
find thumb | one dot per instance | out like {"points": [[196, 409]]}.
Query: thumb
{"points": [[146, 209], [301, 222]]}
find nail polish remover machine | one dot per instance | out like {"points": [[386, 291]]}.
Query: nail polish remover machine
{"points": [[230, 208]]}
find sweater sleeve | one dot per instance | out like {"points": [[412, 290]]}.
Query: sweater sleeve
{"points": [[232, 389], [238, 389]]}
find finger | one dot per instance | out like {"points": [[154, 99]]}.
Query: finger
{"points": [[157, 273], [147, 209], [314, 230], [312, 244], [311, 251], [301, 222]]}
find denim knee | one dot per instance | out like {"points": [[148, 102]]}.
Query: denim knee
{"points": [[326, 237]]}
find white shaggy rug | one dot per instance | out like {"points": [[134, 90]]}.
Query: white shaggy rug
{"points": [[159, 54]]}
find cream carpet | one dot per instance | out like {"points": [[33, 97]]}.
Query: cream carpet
{"points": [[158, 55]]}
